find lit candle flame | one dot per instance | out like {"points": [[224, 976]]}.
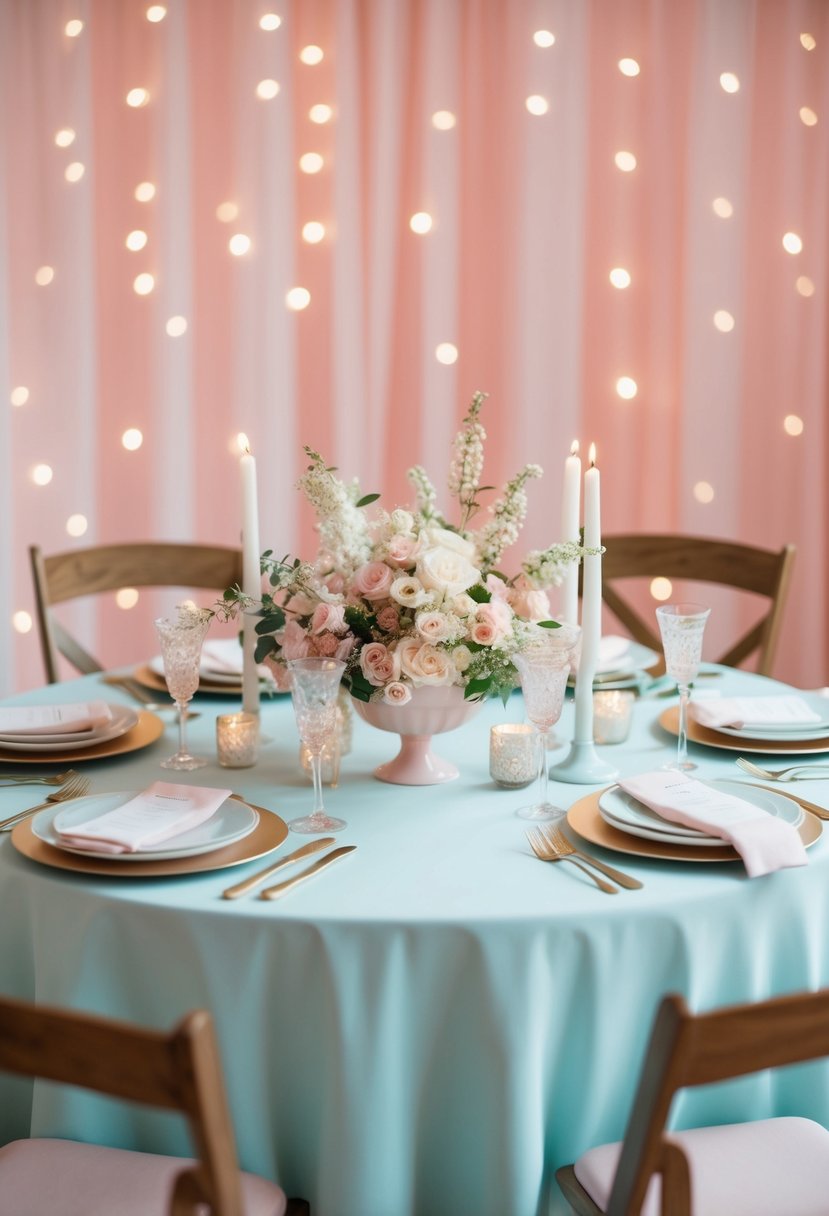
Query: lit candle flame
{"points": [[574, 448], [243, 443], [592, 455]]}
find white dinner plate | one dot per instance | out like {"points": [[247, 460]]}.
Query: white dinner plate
{"points": [[623, 812], [123, 719], [632, 661], [233, 679], [792, 730], [231, 822]]}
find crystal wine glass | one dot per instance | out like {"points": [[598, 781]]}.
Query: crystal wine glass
{"points": [[682, 627], [314, 687], [544, 666], [181, 642]]}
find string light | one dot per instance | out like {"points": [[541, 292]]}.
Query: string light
{"points": [[723, 208], [443, 120], [137, 98], [176, 326], [22, 622], [421, 222], [625, 161], [627, 388], [126, 598], [793, 425], [267, 89], [132, 439], [269, 22], [298, 298], [808, 116], [136, 240], [661, 588], [620, 277], [74, 27], [156, 13], [544, 38], [42, 474], [447, 353], [144, 192], [19, 396], [143, 284], [792, 242], [311, 162], [311, 55], [536, 104], [704, 492], [64, 137], [320, 113], [74, 172], [239, 244], [628, 67], [227, 212], [44, 275], [76, 525], [313, 232], [805, 286], [723, 321], [729, 82]]}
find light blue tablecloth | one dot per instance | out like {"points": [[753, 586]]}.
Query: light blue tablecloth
{"points": [[439, 1021]]}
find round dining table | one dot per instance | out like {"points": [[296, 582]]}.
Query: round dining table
{"points": [[437, 1022]]}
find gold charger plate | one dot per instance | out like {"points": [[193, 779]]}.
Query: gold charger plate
{"points": [[584, 818], [669, 720], [150, 679], [265, 837], [147, 729]]}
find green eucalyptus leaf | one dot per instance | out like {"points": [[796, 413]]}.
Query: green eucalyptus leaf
{"points": [[549, 624], [366, 499], [479, 594], [264, 647]]}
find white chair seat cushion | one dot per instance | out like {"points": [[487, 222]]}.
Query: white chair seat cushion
{"points": [[774, 1167], [64, 1178]]}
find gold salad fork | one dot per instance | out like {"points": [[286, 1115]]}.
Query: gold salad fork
{"points": [[816, 771], [28, 779], [75, 787], [559, 841], [545, 851]]}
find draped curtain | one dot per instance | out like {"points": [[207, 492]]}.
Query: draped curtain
{"points": [[681, 144]]}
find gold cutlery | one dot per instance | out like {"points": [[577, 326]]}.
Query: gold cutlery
{"points": [[76, 787], [27, 779], [248, 884], [559, 841], [282, 887], [818, 771], [546, 852]]}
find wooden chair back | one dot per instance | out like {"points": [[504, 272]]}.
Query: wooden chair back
{"points": [[102, 568], [177, 1071], [765, 572], [687, 1050]]}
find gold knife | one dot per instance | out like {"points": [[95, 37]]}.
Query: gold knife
{"points": [[282, 887], [248, 884]]}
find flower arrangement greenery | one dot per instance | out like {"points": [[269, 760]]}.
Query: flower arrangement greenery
{"points": [[409, 597]]}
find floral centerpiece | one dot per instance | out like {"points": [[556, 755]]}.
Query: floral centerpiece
{"points": [[411, 597]]}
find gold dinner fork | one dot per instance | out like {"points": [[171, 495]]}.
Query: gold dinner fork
{"points": [[75, 787], [817, 771], [547, 852], [559, 841], [28, 779]]}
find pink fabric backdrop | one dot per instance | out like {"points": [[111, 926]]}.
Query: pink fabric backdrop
{"points": [[530, 213]]}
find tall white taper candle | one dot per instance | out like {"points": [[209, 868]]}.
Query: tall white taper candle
{"points": [[570, 509], [251, 579], [591, 604]]}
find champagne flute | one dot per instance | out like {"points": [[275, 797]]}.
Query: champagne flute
{"points": [[544, 665], [315, 684], [682, 627], [181, 642]]}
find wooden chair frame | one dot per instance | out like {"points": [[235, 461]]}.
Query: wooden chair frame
{"points": [[102, 568], [764, 572], [687, 1050], [177, 1071]]}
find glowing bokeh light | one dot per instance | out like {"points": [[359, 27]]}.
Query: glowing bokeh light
{"points": [[536, 104], [729, 82], [808, 117], [126, 598], [661, 588], [627, 388], [298, 298], [312, 55], [792, 242], [704, 492], [446, 352], [132, 439], [808, 42], [242, 442], [793, 425], [136, 240], [22, 622], [42, 474], [625, 161], [74, 172], [44, 275], [313, 232], [723, 208], [137, 98], [421, 222], [266, 90], [544, 38], [320, 113], [311, 162], [74, 27], [443, 120], [145, 192], [156, 13], [805, 286], [143, 284], [629, 67], [239, 244], [620, 277], [76, 525], [176, 326], [227, 212], [723, 321], [270, 21], [64, 137], [19, 395]]}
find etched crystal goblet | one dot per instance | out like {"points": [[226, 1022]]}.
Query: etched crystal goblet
{"points": [[314, 686], [682, 627], [181, 642]]}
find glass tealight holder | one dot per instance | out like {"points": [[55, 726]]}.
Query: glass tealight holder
{"points": [[237, 740], [513, 754], [612, 715]]}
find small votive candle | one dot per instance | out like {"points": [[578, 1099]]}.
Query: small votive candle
{"points": [[612, 714], [513, 754], [237, 740]]}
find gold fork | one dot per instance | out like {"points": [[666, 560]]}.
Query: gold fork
{"points": [[75, 787], [546, 852], [27, 779], [559, 841]]}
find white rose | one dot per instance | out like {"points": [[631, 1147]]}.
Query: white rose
{"points": [[425, 664], [401, 521], [464, 605], [443, 538], [461, 657], [447, 572], [433, 626], [409, 592]]}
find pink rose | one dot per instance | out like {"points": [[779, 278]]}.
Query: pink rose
{"points": [[388, 619], [326, 645], [335, 584], [496, 613], [379, 664], [484, 633], [528, 602], [295, 642], [433, 626], [345, 647], [373, 581], [329, 617], [402, 550], [397, 693]]}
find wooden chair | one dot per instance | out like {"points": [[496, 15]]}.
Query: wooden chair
{"points": [[774, 1167], [765, 572], [178, 1071], [101, 568]]}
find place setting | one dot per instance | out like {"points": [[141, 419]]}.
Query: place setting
{"points": [[74, 731], [220, 670]]}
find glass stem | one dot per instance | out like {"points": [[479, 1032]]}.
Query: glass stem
{"points": [[542, 766], [181, 706], [682, 740], [316, 774]]}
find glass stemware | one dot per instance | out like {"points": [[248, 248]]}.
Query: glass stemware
{"points": [[181, 642], [544, 666], [315, 684], [682, 627]]}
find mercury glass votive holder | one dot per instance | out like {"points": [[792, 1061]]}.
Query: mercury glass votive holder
{"points": [[237, 740], [612, 715], [513, 754]]}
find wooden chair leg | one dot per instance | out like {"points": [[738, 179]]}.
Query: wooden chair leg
{"points": [[298, 1207]]}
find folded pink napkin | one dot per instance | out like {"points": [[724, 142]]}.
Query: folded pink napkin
{"points": [[764, 842], [68, 719], [745, 712], [159, 813]]}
